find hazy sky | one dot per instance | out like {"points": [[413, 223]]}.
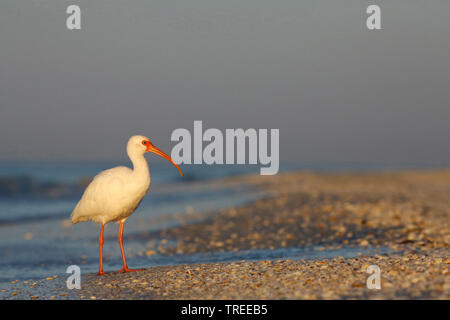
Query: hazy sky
{"points": [[338, 92]]}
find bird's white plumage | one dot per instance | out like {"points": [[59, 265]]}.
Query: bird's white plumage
{"points": [[114, 194]]}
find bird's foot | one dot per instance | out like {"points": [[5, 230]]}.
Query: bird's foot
{"points": [[101, 273], [126, 269]]}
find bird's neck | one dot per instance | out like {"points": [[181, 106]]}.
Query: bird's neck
{"points": [[140, 166]]}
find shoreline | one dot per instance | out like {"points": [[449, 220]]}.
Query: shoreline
{"points": [[407, 212]]}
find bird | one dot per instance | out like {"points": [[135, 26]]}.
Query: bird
{"points": [[114, 194]]}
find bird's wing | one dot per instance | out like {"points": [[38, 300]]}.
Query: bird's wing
{"points": [[104, 190]]}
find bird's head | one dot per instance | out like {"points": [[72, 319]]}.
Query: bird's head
{"points": [[143, 144]]}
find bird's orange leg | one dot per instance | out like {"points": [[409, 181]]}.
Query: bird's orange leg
{"points": [[100, 246], [125, 267]]}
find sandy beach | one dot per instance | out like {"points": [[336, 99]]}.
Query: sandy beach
{"points": [[399, 221]]}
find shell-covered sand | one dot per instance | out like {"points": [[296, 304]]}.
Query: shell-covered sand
{"points": [[408, 212]]}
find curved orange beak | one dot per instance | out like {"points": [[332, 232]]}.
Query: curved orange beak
{"points": [[152, 148]]}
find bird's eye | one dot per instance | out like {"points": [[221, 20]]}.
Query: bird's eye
{"points": [[144, 142]]}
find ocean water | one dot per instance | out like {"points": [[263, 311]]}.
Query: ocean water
{"points": [[37, 239], [33, 192]]}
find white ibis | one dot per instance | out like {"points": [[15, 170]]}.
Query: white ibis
{"points": [[114, 194]]}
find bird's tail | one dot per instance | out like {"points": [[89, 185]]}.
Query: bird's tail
{"points": [[75, 220], [76, 217]]}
